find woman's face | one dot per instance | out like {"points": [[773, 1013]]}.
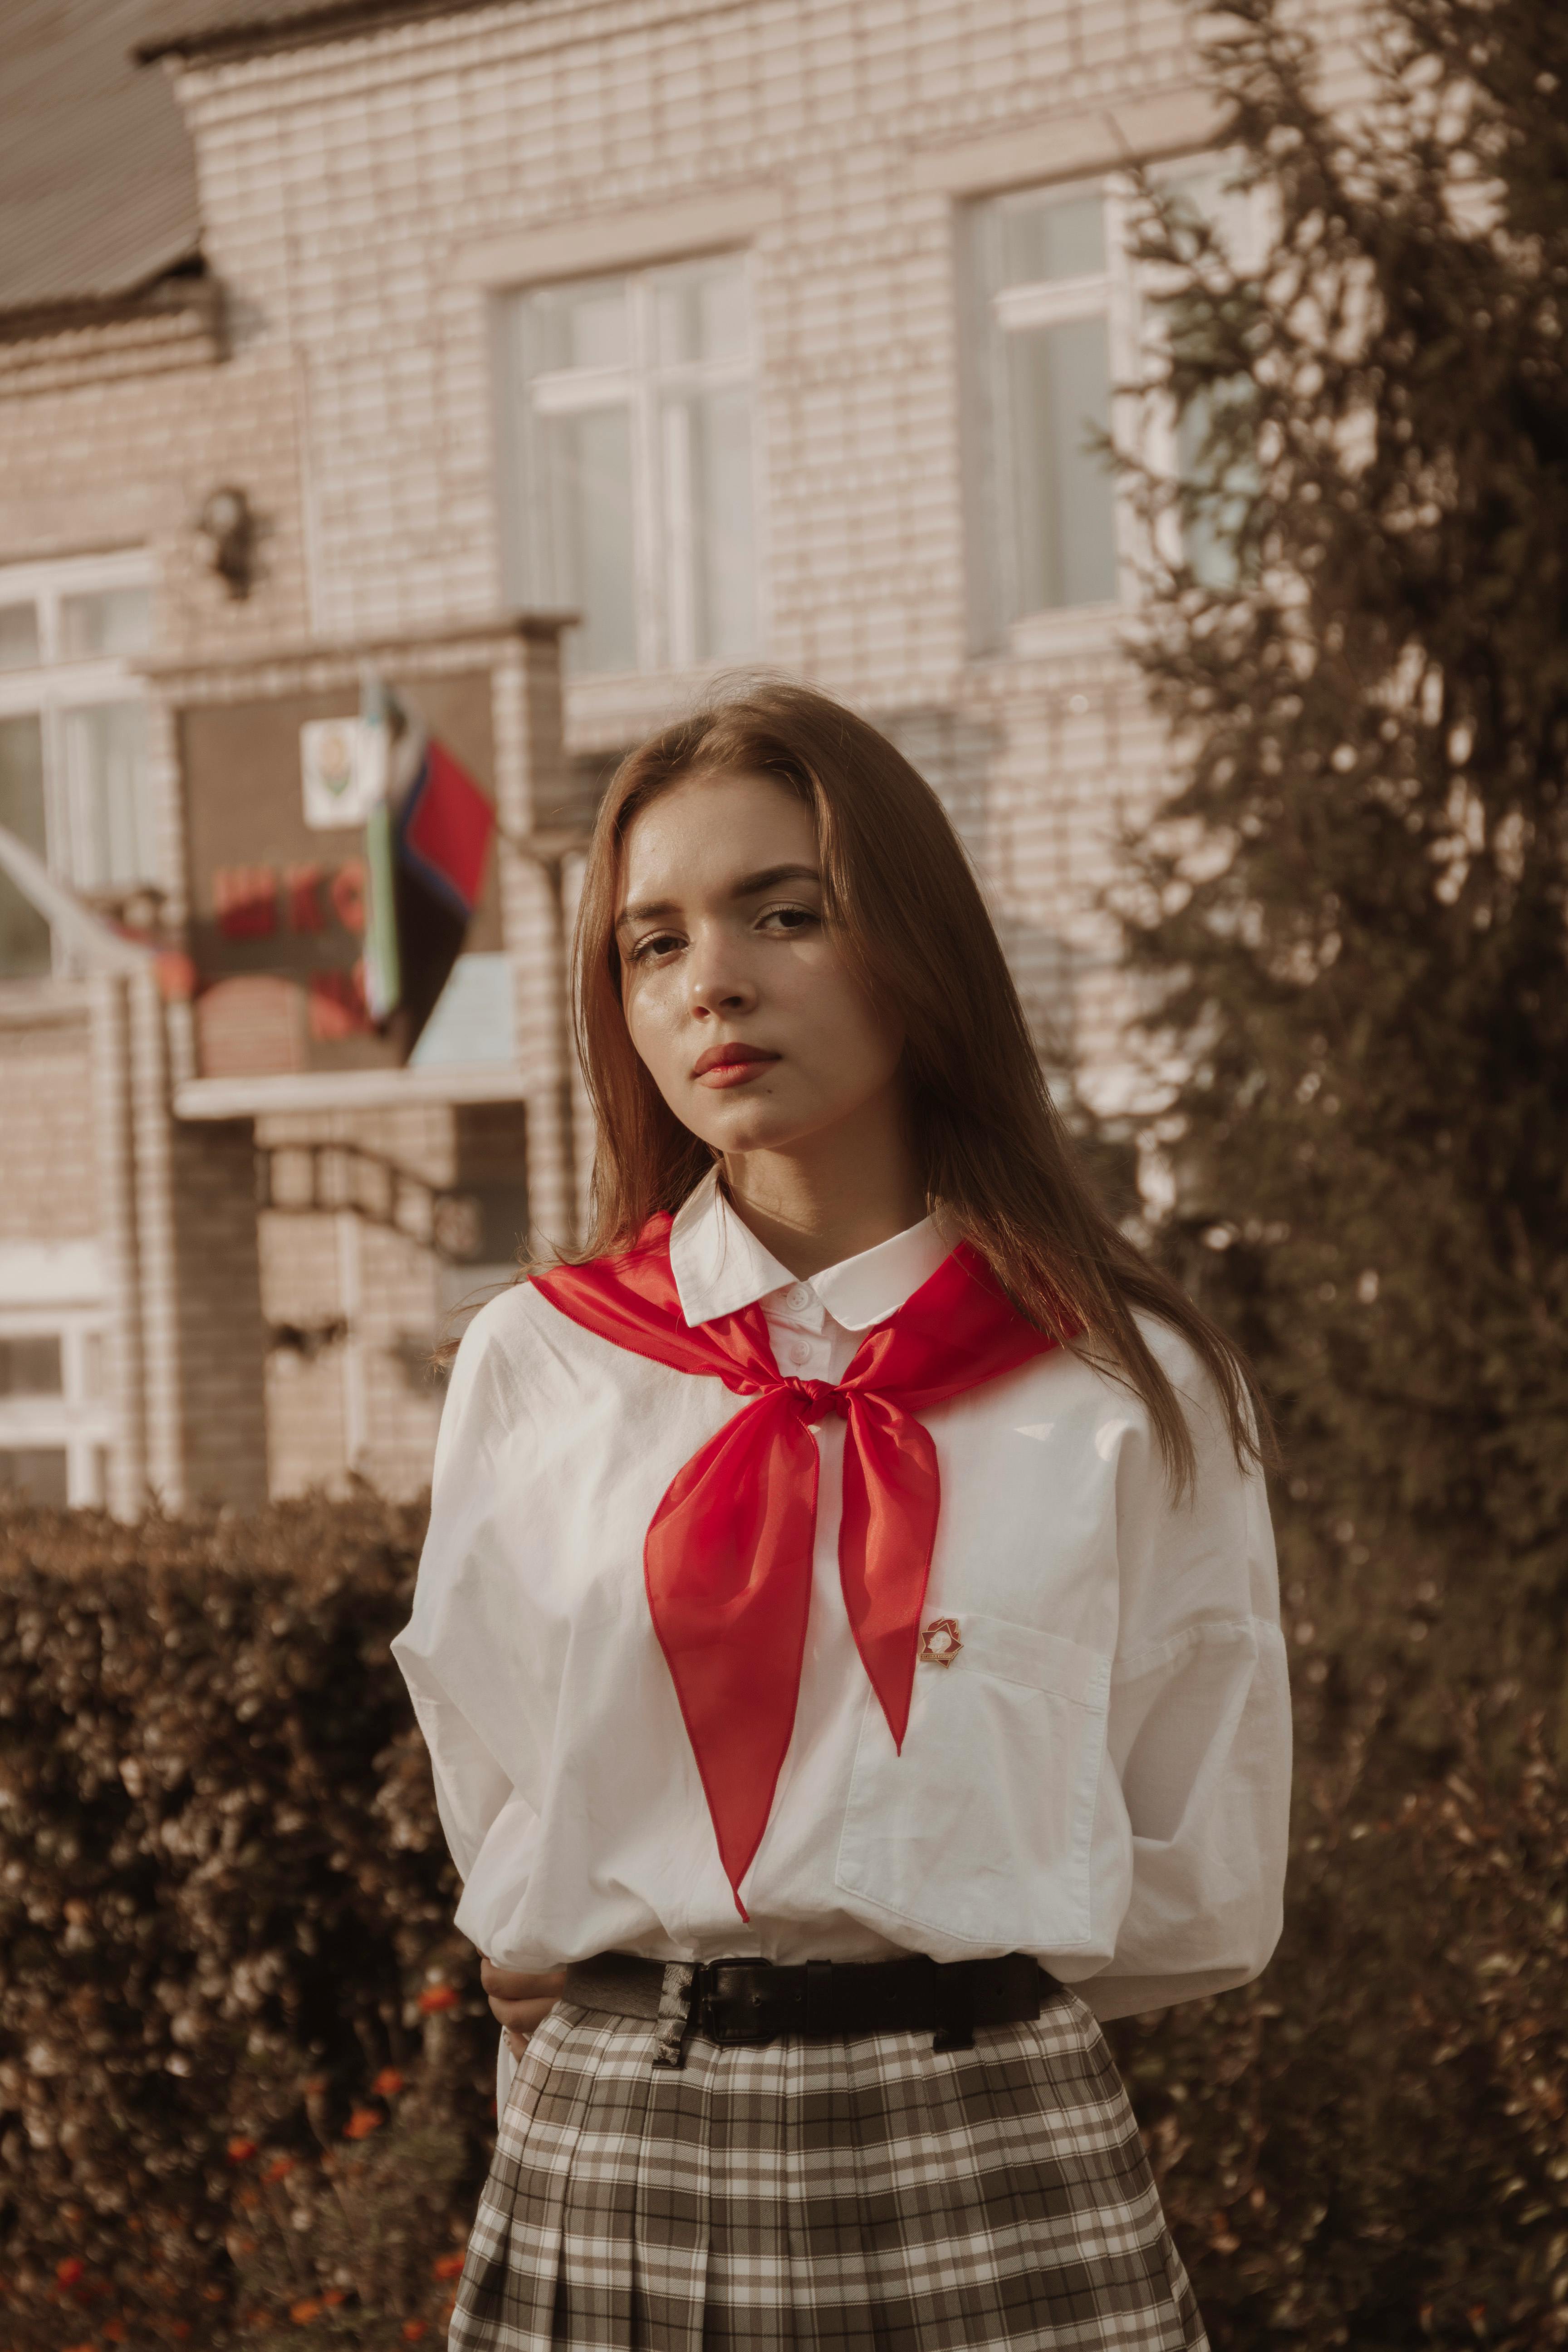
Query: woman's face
{"points": [[735, 993]]}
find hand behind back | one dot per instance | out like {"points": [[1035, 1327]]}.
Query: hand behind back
{"points": [[519, 2002]]}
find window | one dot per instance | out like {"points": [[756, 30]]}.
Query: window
{"points": [[73, 742], [55, 1422], [1055, 335], [1058, 323], [628, 403], [1207, 537], [39, 1473], [31, 1366]]}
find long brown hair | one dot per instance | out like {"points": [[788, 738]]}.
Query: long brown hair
{"points": [[906, 914]]}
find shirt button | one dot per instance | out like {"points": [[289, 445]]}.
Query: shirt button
{"points": [[798, 1353], [798, 1298]]}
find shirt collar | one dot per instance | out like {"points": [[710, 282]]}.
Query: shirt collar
{"points": [[719, 1266]]}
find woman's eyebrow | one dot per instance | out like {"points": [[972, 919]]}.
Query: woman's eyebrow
{"points": [[750, 886], [771, 876], [644, 911]]}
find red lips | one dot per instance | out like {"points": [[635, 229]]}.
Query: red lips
{"points": [[728, 1057]]}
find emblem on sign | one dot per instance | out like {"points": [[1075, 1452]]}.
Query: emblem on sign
{"points": [[338, 778], [939, 1643]]}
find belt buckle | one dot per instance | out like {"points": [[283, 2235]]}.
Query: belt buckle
{"points": [[719, 2005]]}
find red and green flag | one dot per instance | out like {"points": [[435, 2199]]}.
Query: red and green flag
{"points": [[427, 839]]}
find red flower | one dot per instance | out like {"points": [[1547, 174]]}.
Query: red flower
{"points": [[447, 2266], [435, 1996], [334, 2294], [301, 2313], [387, 2084], [413, 2329], [362, 2123], [241, 2150], [68, 2271], [279, 2168]]}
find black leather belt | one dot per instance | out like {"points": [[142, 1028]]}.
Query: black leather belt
{"points": [[753, 2000]]}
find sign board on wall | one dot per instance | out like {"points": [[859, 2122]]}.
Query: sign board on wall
{"points": [[337, 780], [276, 892]]}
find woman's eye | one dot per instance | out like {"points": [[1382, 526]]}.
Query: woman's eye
{"points": [[657, 943], [790, 919]]}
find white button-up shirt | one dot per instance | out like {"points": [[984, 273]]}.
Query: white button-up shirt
{"points": [[1098, 1776]]}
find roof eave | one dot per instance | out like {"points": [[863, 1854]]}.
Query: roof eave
{"points": [[171, 289], [331, 21]]}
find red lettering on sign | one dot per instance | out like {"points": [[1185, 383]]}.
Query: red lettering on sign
{"points": [[176, 976], [306, 912], [245, 900], [348, 889], [337, 1006]]}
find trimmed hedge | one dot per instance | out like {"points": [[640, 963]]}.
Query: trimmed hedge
{"points": [[246, 2070], [221, 1880]]}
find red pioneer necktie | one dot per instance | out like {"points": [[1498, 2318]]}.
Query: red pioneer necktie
{"points": [[728, 1554]]}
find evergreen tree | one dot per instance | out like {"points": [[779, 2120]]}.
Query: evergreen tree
{"points": [[1351, 914]]}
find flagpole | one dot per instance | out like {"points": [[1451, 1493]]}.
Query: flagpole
{"points": [[383, 972], [547, 850]]}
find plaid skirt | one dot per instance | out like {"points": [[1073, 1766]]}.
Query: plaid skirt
{"points": [[870, 2195]]}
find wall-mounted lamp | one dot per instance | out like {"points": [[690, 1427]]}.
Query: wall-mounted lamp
{"points": [[227, 524]]}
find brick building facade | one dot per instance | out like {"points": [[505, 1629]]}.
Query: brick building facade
{"points": [[754, 331]]}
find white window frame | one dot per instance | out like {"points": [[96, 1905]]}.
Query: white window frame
{"points": [[663, 575], [53, 687], [1247, 223], [1120, 294], [76, 1423]]}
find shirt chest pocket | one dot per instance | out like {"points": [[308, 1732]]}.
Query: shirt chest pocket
{"points": [[982, 1827]]}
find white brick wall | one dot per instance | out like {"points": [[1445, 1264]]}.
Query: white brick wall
{"points": [[365, 200], [350, 190], [348, 186]]}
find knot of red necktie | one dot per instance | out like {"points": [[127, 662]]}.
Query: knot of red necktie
{"points": [[727, 1559], [815, 1399]]}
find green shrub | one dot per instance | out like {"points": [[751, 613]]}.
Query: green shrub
{"points": [[1367, 2146], [221, 1876], [225, 2115]]}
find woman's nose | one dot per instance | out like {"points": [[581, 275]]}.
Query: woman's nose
{"points": [[718, 985]]}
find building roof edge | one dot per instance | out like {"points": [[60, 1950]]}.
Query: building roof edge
{"points": [[245, 26]]}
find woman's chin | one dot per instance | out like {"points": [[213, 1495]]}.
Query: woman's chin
{"points": [[740, 1127]]}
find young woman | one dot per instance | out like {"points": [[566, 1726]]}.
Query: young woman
{"points": [[847, 1633]]}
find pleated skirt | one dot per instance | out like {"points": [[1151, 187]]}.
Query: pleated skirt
{"points": [[871, 2195]]}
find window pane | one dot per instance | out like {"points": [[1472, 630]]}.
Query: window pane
{"points": [[22, 779], [708, 439], [24, 934], [1058, 386], [1209, 535], [106, 760], [38, 1472], [31, 1366], [703, 313], [474, 1019], [108, 621], [1047, 241], [19, 636], [587, 464], [582, 326]]}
